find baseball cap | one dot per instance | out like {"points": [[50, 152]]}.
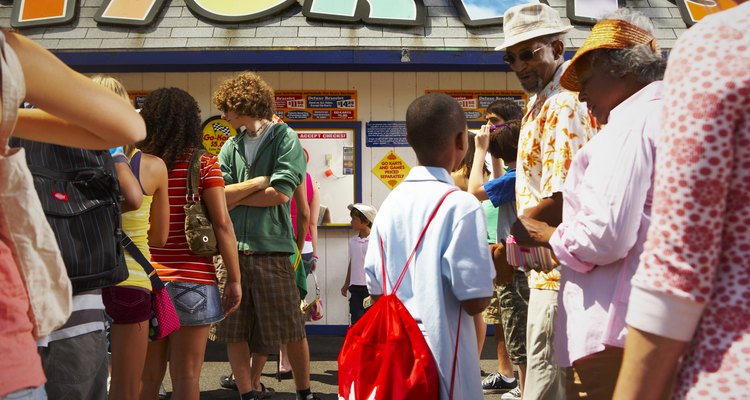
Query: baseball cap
{"points": [[368, 211]]}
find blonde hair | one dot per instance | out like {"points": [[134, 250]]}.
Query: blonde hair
{"points": [[111, 84]]}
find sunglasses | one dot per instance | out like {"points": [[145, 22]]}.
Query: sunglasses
{"points": [[525, 55]]}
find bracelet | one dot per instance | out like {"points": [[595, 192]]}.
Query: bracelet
{"points": [[315, 258]]}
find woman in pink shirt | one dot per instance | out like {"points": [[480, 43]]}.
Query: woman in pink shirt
{"points": [[607, 197]]}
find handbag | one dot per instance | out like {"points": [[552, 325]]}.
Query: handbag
{"points": [[314, 310], [529, 257], [164, 319], [199, 232]]}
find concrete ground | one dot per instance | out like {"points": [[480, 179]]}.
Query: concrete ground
{"points": [[323, 371]]}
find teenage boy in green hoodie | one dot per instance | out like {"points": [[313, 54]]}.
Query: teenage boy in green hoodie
{"points": [[262, 166]]}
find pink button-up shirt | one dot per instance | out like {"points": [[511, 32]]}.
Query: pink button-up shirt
{"points": [[606, 215]]}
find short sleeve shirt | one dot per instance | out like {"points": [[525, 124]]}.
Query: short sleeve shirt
{"points": [[555, 126]]}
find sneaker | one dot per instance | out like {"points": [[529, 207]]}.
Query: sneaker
{"points": [[227, 382], [162, 392], [496, 384], [514, 394]]}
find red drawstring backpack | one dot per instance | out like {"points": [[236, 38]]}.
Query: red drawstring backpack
{"points": [[385, 355]]}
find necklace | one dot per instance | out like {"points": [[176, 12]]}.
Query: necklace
{"points": [[261, 128]]}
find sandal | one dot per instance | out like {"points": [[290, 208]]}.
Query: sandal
{"points": [[264, 393], [228, 382]]}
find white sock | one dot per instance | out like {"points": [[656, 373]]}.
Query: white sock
{"points": [[506, 379]]}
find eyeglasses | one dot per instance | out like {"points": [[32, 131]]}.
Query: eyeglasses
{"points": [[525, 56]]}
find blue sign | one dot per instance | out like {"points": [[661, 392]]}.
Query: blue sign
{"points": [[386, 134]]}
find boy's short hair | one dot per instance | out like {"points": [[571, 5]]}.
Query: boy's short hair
{"points": [[432, 121], [246, 94], [504, 141], [364, 212], [508, 110]]}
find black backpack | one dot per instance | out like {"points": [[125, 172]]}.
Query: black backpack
{"points": [[81, 198]]}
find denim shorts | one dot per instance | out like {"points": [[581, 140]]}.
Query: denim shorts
{"points": [[36, 393], [196, 303]]}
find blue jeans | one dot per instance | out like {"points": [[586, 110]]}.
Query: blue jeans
{"points": [[36, 393]]}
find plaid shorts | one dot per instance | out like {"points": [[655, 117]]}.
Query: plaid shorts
{"points": [[269, 313]]}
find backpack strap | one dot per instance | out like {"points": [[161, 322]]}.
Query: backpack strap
{"points": [[455, 355], [419, 241], [194, 174], [128, 244]]}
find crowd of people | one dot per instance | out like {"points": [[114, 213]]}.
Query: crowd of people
{"points": [[550, 240]]}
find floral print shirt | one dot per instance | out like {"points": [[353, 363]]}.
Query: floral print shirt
{"points": [[555, 126], [693, 282]]}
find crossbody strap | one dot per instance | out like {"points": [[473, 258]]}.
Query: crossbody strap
{"points": [[135, 252], [194, 174], [416, 246]]}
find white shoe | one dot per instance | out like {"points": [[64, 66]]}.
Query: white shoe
{"points": [[162, 392], [514, 394]]}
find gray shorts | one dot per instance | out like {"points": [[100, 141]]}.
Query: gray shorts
{"points": [[196, 303], [76, 367]]}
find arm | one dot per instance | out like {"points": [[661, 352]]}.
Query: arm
{"points": [[531, 229], [611, 196], [498, 167], [98, 119], [649, 359], [158, 231], [476, 176], [267, 197], [237, 192], [314, 215], [345, 288], [129, 187], [215, 200], [475, 306], [303, 215]]}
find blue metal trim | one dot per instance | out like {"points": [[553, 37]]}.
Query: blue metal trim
{"points": [[286, 60]]}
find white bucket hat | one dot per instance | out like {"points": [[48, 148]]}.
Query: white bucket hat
{"points": [[528, 21]]}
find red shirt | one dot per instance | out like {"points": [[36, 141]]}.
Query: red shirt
{"points": [[175, 261]]}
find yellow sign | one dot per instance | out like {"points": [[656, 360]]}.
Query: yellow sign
{"points": [[391, 169], [216, 131]]}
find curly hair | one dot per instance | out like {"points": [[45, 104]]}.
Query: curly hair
{"points": [[173, 125], [246, 94]]}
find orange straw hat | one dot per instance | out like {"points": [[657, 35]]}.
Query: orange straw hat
{"points": [[607, 34]]}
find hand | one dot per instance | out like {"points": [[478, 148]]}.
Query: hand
{"points": [[344, 290], [530, 232], [503, 271], [232, 297], [482, 139], [314, 264]]}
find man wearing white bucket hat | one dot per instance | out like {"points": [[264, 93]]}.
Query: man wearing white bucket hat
{"points": [[554, 127]]}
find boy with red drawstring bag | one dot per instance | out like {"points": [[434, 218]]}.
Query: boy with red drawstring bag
{"points": [[430, 270]]}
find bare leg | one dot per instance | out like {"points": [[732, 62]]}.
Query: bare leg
{"points": [[522, 377], [504, 365], [481, 329], [187, 349], [284, 360], [154, 369], [256, 368], [299, 357], [129, 343], [239, 359]]}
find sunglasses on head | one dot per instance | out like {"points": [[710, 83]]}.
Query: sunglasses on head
{"points": [[525, 55]]}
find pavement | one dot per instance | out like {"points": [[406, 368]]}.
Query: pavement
{"points": [[323, 370]]}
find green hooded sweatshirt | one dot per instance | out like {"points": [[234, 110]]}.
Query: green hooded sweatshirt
{"points": [[280, 156]]}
